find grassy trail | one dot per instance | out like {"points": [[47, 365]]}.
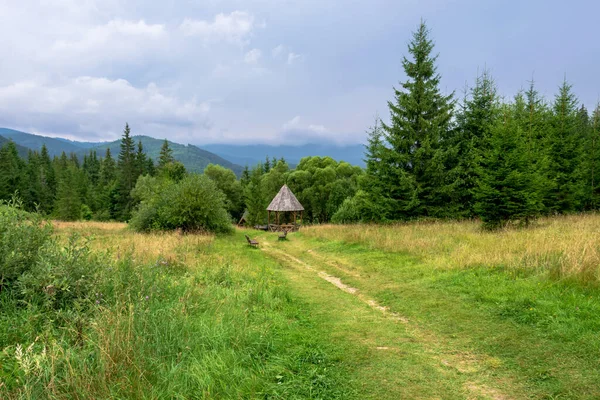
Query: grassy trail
{"points": [[409, 331]]}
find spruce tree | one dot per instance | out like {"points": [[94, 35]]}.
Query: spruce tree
{"points": [[507, 189], [12, 172], [166, 155], [371, 203], [420, 120], [564, 154], [128, 173], [47, 182], [592, 170], [68, 198], [467, 145]]}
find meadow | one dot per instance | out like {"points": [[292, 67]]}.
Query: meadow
{"points": [[429, 310]]}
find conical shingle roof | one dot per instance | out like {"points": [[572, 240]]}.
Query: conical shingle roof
{"points": [[285, 201]]}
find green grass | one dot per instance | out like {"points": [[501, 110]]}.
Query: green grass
{"points": [[224, 326], [176, 316], [520, 331]]}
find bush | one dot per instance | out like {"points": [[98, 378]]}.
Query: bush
{"points": [[193, 204], [22, 236], [347, 213]]}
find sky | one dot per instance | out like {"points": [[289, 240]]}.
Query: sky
{"points": [[269, 71]]}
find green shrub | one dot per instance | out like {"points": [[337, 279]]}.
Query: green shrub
{"points": [[193, 204], [347, 213], [22, 236]]}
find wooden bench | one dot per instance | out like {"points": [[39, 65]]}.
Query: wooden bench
{"points": [[251, 242], [282, 235]]}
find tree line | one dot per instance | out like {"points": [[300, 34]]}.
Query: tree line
{"points": [[481, 156], [68, 188]]}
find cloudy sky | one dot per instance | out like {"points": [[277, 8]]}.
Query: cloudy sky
{"points": [[268, 71]]}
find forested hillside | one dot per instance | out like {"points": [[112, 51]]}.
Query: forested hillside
{"points": [[192, 157]]}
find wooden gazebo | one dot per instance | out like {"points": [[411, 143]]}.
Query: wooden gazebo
{"points": [[287, 209]]}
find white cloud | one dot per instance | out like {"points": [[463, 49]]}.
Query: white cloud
{"points": [[117, 39], [317, 128], [253, 56], [292, 123], [234, 27], [293, 58], [295, 124], [100, 106]]}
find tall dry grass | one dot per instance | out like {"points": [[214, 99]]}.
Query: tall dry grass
{"points": [[566, 246], [144, 247]]}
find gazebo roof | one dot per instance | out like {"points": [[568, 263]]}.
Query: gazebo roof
{"points": [[285, 201]]}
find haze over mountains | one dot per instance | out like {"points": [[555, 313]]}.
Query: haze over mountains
{"points": [[193, 157]]}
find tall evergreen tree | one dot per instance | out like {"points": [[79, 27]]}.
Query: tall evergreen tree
{"points": [[565, 154], [477, 117], [12, 168], [420, 120], [68, 198], [128, 173], [592, 161], [166, 155], [371, 203], [507, 188], [47, 178]]}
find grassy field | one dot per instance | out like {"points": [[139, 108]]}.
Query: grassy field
{"points": [[422, 310]]}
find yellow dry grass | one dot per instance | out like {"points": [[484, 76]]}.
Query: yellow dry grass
{"points": [[121, 241], [568, 246]]}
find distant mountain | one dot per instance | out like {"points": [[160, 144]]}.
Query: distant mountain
{"points": [[194, 158], [252, 154], [34, 142], [23, 151]]}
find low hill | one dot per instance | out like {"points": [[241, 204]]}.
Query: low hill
{"points": [[252, 154], [194, 158], [34, 142], [20, 149]]}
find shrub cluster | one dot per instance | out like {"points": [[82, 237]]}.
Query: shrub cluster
{"points": [[37, 270], [193, 204]]}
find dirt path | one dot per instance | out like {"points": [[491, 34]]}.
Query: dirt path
{"points": [[397, 344]]}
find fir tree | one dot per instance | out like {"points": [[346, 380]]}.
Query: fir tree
{"points": [[166, 155], [478, 115], [47, 178], [592, 170], [373, 205], [12, 167], [420, 120], [128, 173], [507, 189], [565, 153]]}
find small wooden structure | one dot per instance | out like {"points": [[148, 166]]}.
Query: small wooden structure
{"points": [[244, 219], [287, 210]]}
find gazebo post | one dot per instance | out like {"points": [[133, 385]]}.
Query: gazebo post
{"points": [[268, 220]]}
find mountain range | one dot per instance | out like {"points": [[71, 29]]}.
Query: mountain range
{"points": [[193, 157]]}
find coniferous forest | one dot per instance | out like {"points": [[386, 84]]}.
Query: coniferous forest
{"points": [[441, 155]]}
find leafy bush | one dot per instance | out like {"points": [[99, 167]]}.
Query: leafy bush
{"points": [[36, 268], [62, 276], [22, 236], [193, 204], [347, 213]]}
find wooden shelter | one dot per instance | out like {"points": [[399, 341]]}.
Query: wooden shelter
{"points": [[287, 209]]}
